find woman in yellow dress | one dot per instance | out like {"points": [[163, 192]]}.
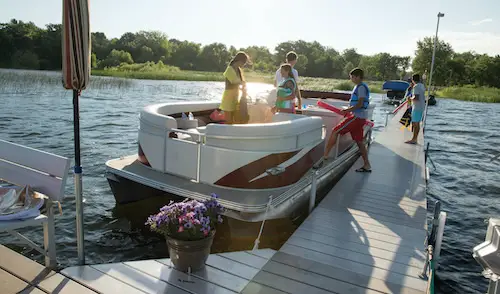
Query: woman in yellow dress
{"points": [[235, 81]]}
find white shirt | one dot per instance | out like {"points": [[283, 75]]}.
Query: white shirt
{"points": [[278, 78]]}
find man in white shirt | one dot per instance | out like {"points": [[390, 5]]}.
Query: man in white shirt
{"points": [[291, 58], [418, 107]]}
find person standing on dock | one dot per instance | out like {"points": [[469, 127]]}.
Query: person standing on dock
{"points": [[291, 58], [359, 102], [418, 105]]}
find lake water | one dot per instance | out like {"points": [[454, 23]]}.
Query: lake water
{"points": [[36, 111]]}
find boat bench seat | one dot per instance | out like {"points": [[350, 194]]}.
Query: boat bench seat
{"points": [[159, 115], [283, 135]]}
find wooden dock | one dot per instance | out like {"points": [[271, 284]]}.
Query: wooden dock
{"points": [[366, 236]]}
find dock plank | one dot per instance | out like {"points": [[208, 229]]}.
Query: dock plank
{"points": [[182, 280], [216, 277], [286, 285], [246, 258], [316, 280], [36, 274], [231, 266], [363, 269], [342, 275], [255, 288], [374, 247], [99, 281], [137, 279], [356, 251], [12, 284], [327, 217]]}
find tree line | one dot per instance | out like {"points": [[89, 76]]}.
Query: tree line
{"points": [[24, 45]]}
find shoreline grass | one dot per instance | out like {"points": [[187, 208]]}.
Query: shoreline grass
{"points": [[470, 93], [306, 83]]}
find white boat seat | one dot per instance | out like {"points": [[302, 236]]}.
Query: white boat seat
{"points": [[158, 115], [276, 136], [202, 130]]}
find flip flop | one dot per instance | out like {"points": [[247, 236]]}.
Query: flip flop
{"points": [[363, 170], [411, 143]]}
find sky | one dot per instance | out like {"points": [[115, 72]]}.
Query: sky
{"points": [[392, 26]]}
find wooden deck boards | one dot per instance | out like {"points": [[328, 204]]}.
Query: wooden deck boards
{"points": [[35, 276], [367, 235]]}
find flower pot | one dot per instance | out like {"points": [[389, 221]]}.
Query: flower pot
{"points": [[189, 254]]}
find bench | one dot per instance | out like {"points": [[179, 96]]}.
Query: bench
{"points": [[45, 173]]}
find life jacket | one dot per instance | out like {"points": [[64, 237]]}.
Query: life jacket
{"points": [[285, 92], [360, 112]]}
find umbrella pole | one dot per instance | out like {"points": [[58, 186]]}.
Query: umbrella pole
{"points": [[78, 180]]}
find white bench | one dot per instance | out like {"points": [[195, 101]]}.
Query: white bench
{"points": [[45, 173]]}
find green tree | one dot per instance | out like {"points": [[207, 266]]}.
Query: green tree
{"points": [[423, 59], [184, 54], [101, 46], [213, 57], [350, 55], [25, 60], [117, 57]]}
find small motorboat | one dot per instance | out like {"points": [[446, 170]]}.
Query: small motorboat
{"points": [[266, 164], [396, 90], [432, 100]]}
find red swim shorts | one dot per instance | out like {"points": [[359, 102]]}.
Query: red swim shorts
{"points": [[353, 125]]}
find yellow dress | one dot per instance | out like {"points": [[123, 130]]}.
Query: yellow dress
{"points": [[231, 96]]}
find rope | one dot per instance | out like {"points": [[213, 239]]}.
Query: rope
{"points": [[257, 241]]}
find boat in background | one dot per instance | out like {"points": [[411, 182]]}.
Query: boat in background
{"points": [[339, 95], [396, 90], [432, 100], [261, 170]]}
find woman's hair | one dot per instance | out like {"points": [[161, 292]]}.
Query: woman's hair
{"points": [[240, 56], [288, 67]]}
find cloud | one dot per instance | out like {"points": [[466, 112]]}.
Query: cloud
{"points": [[479, 22]]}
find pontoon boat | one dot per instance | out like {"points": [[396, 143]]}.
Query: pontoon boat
{"points": [[244, 164]]}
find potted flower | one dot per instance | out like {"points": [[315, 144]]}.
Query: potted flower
{"points": [[189, 228]]}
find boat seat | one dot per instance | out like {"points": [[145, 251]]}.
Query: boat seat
{"points": [[158, 115], [290, 134]]}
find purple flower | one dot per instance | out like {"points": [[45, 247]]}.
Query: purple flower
{"points": [[201, 217], [214, 195]]}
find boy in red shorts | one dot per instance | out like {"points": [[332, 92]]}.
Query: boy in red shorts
{"points": [[358, 106]]}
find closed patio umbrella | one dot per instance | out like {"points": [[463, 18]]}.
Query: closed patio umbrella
{"points": [[76, 52]]}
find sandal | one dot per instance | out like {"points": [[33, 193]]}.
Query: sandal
{"points": [[363, 170]]}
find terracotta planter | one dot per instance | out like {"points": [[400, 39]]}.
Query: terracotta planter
{"points": [[186, 254]]}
